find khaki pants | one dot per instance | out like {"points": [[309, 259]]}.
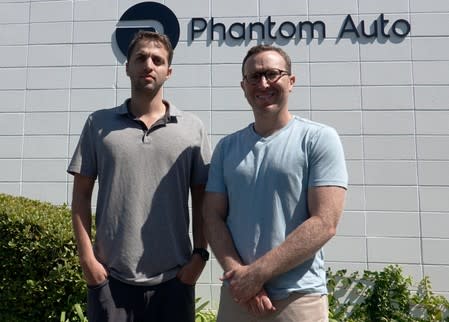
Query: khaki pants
{"points": [[296, 308]]}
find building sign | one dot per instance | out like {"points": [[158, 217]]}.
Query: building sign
{"points": [[157, 17]]}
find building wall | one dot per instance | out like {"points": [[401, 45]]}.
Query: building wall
{"points": [[388, 99]]}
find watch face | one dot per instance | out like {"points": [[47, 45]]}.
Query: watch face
{"points": [[202, 252]]}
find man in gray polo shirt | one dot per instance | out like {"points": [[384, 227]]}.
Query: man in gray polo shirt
{"points": [[146, 155]]}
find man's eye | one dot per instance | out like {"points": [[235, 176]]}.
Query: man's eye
{"points": [[271, 74], [254, 77]]}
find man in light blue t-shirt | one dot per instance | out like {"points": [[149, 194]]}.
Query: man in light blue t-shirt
{"points": [[274, 197]]}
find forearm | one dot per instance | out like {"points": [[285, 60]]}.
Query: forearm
{"points": [[82, 223], [219, 237], [325, 208], [199, 236], [301, 245]]}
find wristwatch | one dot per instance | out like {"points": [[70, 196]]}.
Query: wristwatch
{"points": [[202, 252]]}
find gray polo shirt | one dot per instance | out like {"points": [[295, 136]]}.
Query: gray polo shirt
{"points": [[144, 175]]}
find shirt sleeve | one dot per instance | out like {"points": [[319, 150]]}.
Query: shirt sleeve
{"points": [[327, 166], [84, 160], [201, 158], [216, 182]]}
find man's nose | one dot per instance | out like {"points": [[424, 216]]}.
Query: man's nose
{"points": [[149, 65]]}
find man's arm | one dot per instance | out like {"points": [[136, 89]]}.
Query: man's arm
{"points": [[190, 272], [219, 237], [94, 271], [217, 233], [325, 208]]}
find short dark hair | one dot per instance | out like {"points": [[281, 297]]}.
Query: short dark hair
{"points": [[262, 48], [151, 36]]}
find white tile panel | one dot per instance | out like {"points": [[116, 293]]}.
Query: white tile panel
{"points": [[93, 77], [335, 98], [189, 98], [14, 34], [11, 147], [47, 100], [91, 99], [335, 74], [386, 51], [389, 147], [185, 9], [432, 122], [14, 56], [368, 6], [14, 12], [229, 98], [94, 31], [330, 51], [386, 73], [333, 7], [48, 78], [189, 76], [227, 122], [46, 123], [430, 24], [438, 277], [288, 7], [51, 33], [352, 223], [11, 123], [12, 100], [355, 198], [431, 97], [93, 55], [10, 170], [54, 11], [345, 122], [35, 170], [12, 78], [388, 122], [434, 199], [95, 10], [394, 250], [387, 97], [352, 146], [194, 53], [43, 146], [435, 48], [393, 224], [50, 55], [433, 147], [356, 170], [346, 249], [390, 172], [228, 8], [434, 224], [435, 251], [392, 198], [431, 72], [55, 193], [226, 75]]}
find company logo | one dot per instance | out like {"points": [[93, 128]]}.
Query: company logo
{"points": [[150, 16]]}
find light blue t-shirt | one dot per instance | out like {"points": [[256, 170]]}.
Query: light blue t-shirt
{"points": [[266, 180]]}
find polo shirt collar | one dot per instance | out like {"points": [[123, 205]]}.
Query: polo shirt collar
{"points": [[172, 110]]}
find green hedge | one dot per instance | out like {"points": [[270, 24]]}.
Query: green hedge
{"points": [[41, 277], [40, 274]]}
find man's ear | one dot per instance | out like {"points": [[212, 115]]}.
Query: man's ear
{"points": [[169, 72], [292, 81]]}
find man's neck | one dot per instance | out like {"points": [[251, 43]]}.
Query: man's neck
{"points": [[266, 124], [147, 105]]}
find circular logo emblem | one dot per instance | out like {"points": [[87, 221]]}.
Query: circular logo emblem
{"points": [[149, 16]]}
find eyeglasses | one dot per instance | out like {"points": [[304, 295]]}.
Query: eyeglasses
{"points": [[271, 76]]}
